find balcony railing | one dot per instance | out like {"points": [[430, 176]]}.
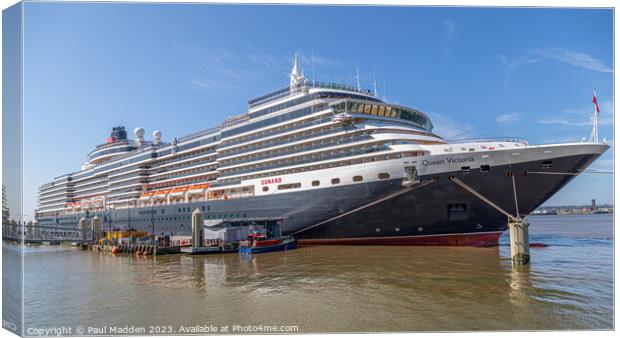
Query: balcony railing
{"points": [[491, 139], [288, 139], [342, 140], [322, 157], [279, 131]]}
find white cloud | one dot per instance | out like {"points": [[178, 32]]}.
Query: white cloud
{"points": [[566, 122], [211, 84], [582, 116], [231, 70], [513, 64], [573, 58], [451, 129], [508, 118], [449, 34], [318, 60]]}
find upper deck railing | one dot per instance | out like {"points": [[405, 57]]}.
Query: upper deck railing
{"points": [[282, 92], [491, 139], [197, 134]]}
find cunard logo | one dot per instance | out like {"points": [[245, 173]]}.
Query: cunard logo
{"points": [[271, 181]]}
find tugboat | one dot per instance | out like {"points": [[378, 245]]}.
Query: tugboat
{"points": [[258, 242]]}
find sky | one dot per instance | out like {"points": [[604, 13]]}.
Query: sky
{"points": [[181, 68]]}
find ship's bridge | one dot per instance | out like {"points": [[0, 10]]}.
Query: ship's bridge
{"points": [[380, 109], [306, 86]]}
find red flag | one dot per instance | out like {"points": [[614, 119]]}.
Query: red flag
{"points": [[594, 101]]}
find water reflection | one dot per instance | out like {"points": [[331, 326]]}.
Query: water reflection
{"points": [[328, 288]]}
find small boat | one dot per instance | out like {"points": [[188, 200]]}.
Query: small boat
{"points": [[257, 243]]}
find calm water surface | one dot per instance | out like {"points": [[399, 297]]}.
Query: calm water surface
{"points": [[337, 288]]}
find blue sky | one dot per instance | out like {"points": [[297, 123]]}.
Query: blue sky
{"points": [[184, 67]]}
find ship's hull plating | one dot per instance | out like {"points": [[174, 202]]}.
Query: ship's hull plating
{"points": [[443, 213], [439, 213]]}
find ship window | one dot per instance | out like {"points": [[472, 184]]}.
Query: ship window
{"points": [[265, 188], [375, 109], [485, 168], [465, 170], [289, 186], [367, 109], [393, 112], [357, 178], [335, 181], [381, 111], [383, 176], [316, 183], [546, 164], [360, 108]]}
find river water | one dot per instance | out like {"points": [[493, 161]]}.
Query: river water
{"points": [[331, 288]]}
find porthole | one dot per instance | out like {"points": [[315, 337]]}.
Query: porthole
{"points": [[265, 188], [316, 183], [357, 178], [397, 229], [335, 181], [383, 176], [420, 229], [378, 230]]}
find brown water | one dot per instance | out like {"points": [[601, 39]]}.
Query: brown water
{"points": [[336, 288]]}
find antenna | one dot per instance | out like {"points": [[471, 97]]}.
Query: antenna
{"points": [[374, 80], [357, 78], [595, 118], [312, 66]]}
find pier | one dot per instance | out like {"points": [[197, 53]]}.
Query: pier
{"points": [[45, 234]]}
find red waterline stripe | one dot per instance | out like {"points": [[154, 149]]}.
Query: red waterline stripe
{"points": [[468, 239]]}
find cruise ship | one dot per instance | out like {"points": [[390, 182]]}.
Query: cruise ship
{"points": [[324, 162]]}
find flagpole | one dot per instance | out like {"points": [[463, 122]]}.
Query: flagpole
{"points": [[595, 119], [595, 125]]}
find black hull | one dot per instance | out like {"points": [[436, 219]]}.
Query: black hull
{"points": [[430, 210]]}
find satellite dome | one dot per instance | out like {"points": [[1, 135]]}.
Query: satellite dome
{"points": [[139, 132], [156, 137]]}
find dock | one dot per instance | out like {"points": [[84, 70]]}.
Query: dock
{"points": [[143, 249], [205, 250]]}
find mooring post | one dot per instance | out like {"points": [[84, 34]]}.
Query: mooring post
{"points": [[197, 225], [519, 241], [96, 228], [83, 227], [519, 237]]}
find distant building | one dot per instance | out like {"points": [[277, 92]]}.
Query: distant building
{"points": [[593, 208], [5, 207]]}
